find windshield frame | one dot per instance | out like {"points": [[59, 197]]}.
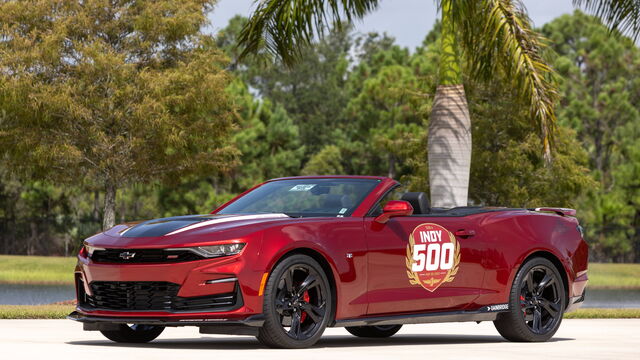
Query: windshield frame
{"points": [[355, 210]]}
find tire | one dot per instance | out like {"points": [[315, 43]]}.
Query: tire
{"points": [[136, 333], [381, 331], [536, 304], [298, 296]]}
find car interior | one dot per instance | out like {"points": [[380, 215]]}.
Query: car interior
{"points": [[422, 207]]}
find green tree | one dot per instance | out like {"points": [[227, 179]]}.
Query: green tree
{"points": [[112, 92], [33, 215], [620, 15], [327, 161], [627, 177], [386, 113], [600, 100], [268, 140], [508, 168], [493, 35], [314, 93]]}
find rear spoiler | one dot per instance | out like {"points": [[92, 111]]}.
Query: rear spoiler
{"points": [[559, 211]]}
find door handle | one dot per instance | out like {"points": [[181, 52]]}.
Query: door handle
{"points": [[465, 233]]}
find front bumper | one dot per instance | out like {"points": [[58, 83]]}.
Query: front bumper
{"points": [[130, 291], [248, 326]]}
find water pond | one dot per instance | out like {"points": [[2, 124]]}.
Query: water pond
{"points": [[11, 294]]}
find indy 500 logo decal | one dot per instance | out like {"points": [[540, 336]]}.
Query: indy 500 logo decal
{"points": [[433, 256]]}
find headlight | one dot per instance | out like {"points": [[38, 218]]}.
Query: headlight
{"points": [[90, 249], [220, 250]]}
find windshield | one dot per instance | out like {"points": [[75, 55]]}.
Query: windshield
{"points": [[304, 197]]}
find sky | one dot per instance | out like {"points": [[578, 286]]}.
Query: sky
{"points": [[406, 20]]}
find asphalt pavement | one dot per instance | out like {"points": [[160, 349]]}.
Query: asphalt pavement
{"points": [[576, 339]]}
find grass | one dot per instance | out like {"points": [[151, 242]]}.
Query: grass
{"points": [[61, 311], [614, 276], [604, 314], [35, 311], [15, 269]]}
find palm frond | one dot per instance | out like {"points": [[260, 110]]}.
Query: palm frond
{"points": [[282, 27], [620, 15], [497, 37]]}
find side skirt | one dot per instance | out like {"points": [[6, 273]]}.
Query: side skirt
{"points": [[487, 313]]}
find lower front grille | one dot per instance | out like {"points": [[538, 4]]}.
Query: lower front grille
{"points": [[154, 296], [143, 295]]}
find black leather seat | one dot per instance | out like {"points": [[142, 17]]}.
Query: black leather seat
{"points": [[419, 202], [337, 201]]}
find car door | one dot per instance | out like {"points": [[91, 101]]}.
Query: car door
{"points": [[422, 263]]}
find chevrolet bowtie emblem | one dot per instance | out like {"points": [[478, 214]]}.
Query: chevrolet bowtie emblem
{"points": [[127, 255]]}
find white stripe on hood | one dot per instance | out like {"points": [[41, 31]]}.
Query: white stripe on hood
{"points": [[227, 219]]}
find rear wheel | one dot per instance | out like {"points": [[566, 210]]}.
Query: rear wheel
{"points": [[136, 333], [297, 304], [536, 303], [376, 331]]}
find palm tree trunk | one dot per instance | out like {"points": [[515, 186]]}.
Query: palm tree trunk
{"points": [[449, 147], [109, 216], [449, 138], [392, 167]]}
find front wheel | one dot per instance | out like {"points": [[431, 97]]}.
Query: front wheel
{"points": [[375, 331], [136, 333], [536, 303], [297, 304]]}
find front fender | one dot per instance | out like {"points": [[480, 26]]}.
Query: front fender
{"points": [[340, 241]]}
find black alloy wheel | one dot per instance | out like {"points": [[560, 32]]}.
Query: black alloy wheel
{"points": [[539, 300], [300, 302], [297, 304], [537, 303], [135, 333]]}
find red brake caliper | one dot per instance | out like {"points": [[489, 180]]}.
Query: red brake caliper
{"points": [[306, 299], [522, 304]]}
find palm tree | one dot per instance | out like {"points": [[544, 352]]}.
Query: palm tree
{"points": [[621, 15], [493, 36]]}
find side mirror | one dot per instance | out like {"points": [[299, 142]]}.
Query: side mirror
{"points": [[392, 209]]}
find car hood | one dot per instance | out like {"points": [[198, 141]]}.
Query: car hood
{"points": [[183, 229]]}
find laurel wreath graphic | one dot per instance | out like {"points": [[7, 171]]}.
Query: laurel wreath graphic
{"points": [[413, 277]]}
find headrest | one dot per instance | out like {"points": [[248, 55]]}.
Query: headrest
{"points": [[346, 201], [419, 202], [333, 201]]}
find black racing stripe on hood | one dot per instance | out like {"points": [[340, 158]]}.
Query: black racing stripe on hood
{"points": [[163, 226]]}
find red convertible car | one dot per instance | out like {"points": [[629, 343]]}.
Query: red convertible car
{"points": [[291, 256]]}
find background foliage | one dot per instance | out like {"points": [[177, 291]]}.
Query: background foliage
{"points": [[359, 104], [104, 94]]}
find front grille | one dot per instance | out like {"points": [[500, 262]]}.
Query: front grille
{"points": [[147, 295], [135, 256], [154, 295]]}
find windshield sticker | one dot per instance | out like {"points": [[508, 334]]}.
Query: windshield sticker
{"points": [[343, 210], [433, 256], [302, 187]]}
